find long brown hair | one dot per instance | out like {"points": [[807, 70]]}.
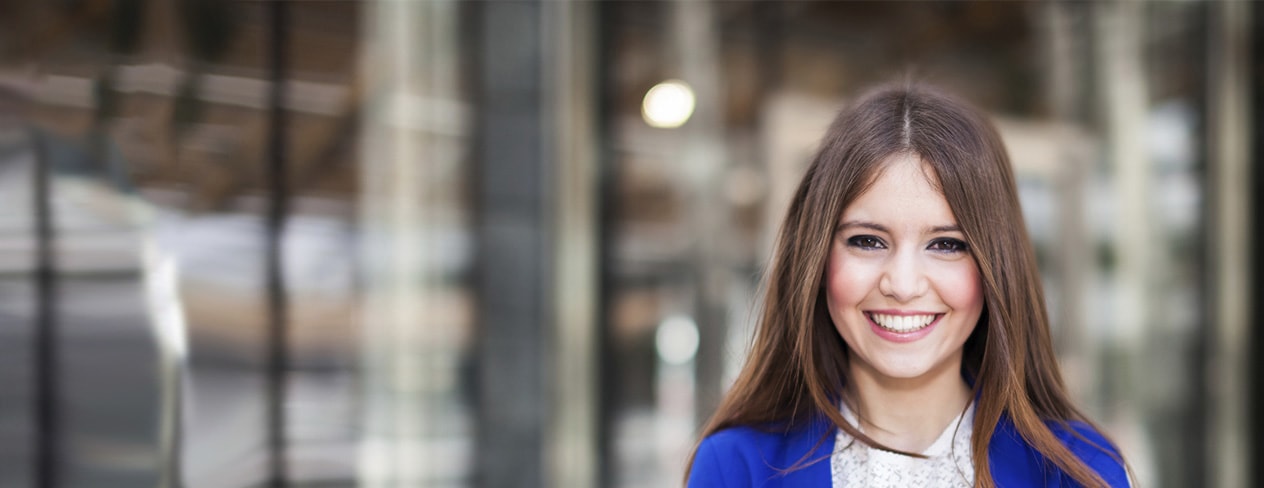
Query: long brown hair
{"points": [[797, 367]]}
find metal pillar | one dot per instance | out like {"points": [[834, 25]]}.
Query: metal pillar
{"points": [[277, 352], [47, 398], [514, 271]]}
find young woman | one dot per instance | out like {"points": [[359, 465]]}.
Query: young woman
{"points": [[904, 339]]}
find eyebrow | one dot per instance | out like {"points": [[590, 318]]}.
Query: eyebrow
{"points": [[881, 228], [861, 223]]}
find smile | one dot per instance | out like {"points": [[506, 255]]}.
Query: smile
{"points": [[902, 324]]}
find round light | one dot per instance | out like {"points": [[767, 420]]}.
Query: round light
{"points": [[676, 340], [668, 105]]}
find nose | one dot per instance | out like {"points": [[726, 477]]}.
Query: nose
{"points": [[903, 278]]}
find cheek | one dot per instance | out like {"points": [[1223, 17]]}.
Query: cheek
{"points": [[847, 281], [960, 286]]}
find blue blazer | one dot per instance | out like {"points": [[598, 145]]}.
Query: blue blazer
{"points": [[747, 457]]}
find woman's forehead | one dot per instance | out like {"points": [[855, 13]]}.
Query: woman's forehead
{"points": [[904, 191]]}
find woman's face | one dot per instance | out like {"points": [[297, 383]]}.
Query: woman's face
{"points": [[903, 290]]}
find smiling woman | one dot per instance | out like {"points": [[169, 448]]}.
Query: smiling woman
{"points": [[904, 337], [904, 293]]}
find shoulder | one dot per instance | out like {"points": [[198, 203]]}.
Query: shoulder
{"points": [[1015, 463], [749, 457], [1094, 449]]}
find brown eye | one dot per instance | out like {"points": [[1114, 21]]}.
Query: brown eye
{"points": [[866, 242], [948, 245]]}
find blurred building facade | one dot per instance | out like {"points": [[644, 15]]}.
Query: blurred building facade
{"points": [[438, 243]]}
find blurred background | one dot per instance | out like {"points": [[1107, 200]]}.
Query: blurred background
{"points": [[519, 243]]}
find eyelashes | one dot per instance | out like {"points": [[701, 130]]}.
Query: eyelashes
{"points": [[866, 242], [946, 245]]}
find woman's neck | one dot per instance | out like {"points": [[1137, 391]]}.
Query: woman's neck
{"points": [[908, 414]]}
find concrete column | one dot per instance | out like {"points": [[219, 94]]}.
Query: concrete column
{"points": [[1119, 33], [412, 137], [1125, 103], [1063, 91], [531, 202], [570, 89], [1232, 243]]}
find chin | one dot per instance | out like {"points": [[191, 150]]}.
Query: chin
{"points": [[903, 371], [908, 368]]}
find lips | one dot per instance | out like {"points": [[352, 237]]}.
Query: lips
{"points": [[902, 323]]}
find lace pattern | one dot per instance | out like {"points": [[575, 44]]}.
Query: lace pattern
{"points": [[948, 463]]}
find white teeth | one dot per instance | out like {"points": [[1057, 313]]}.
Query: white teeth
{"points": [[902, 323]]}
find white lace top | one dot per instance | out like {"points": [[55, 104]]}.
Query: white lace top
{"points": [[948, 463]]}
